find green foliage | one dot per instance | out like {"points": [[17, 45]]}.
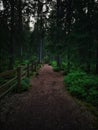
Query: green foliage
{"points": [[54, 65], [57, 69], [25, 84], [83, 86], [18, 62], [64, 67]]}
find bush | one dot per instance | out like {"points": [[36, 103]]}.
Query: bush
{"points": [[54, 65], [83, 86], [93, 96], [64, 67], [25, 84], [57, 69]]}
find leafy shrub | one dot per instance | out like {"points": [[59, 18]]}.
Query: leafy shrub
{"points": [[18, 63], [54, 65], [57, 69], [25, 84], [83, 86], [64, 67], [93, 96]]}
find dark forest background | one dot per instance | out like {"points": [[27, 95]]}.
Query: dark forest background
{"points": [[64, 33]]}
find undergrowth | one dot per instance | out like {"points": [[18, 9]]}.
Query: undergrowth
{"points": [[54, 66], [83, 86], [25, 84]]}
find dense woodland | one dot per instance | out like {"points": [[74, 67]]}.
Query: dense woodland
{"points": [[64, 33]]}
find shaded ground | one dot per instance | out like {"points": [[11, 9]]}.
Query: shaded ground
{"points": [[46, 106]]}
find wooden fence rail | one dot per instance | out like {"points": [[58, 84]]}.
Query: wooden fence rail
{"points": [[13, 78]]}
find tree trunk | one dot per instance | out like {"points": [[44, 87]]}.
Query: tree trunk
{"points": [[68, 59], [97, 59], [41, 51], [11, 50], [89, 58], [20, 28]]}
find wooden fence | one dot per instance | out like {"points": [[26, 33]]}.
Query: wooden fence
{"points": [[13, 78]]}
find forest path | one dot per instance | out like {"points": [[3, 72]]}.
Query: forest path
{"points": [[46, 106]]}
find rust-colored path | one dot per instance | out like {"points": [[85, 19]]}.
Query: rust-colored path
{"points": [[46, 106]]}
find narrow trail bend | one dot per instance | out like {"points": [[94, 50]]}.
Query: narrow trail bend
{"points": [[46, 106]]}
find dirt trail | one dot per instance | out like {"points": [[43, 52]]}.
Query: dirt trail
{"points": [[46, 106]]}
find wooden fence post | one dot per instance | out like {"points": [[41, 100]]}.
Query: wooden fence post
{"points": [[28, 70], [19, 77]]}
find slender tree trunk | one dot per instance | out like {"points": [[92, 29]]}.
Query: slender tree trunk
{"points": [[0, 59], [58, 36], [20, 28], [68, 59], [68, 29], [89, 55], [41, 41], [11, 51], [89, 63], [41, 50], [58, 61], [97, 59]]}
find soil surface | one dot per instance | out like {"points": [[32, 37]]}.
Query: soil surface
{"points": [[46, 106]]}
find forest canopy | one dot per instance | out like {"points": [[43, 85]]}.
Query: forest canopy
{"points": [[61, 30]]}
